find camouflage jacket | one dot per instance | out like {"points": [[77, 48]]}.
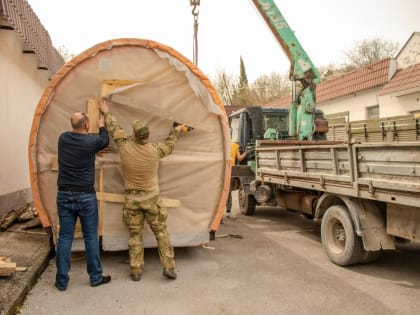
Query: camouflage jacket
{"points": [[140, 159]]}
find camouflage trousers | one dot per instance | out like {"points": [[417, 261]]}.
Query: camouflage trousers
{"points": [[134, 214]]}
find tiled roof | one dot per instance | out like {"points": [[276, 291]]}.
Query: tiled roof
{"points": [[405, 79], [366, 77], [21, 18]]}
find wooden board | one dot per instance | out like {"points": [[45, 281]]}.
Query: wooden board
{"points": [[93, 114], [120, 198], [7, 267]]}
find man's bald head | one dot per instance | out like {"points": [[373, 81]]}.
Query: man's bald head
{"points": [[79, 121]]}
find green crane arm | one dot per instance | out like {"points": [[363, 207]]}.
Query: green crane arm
{"points": [[302, 107]]}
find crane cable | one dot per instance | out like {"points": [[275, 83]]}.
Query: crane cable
{"points": [[195, 4]]}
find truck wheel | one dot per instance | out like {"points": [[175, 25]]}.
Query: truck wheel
{"points": [[342, 245], [247, 202]]}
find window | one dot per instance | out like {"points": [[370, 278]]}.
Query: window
{"points": [[372, 112], [234, 125], [276, 121]]}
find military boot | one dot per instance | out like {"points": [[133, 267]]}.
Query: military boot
{"points": [[136, 277], [169, 273], [135, 273]]}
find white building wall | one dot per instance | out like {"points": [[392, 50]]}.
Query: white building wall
{"points": [[410, 54], [399, 105], [21, 87], [356, 104], [389, 105]]}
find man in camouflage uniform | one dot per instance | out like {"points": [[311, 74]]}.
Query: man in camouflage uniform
{"points": [[140, 161]]}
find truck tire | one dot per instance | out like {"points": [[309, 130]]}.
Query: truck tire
{"points": [[342, 245], [247, 202]]}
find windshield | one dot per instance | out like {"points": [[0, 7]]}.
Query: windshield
{"points": [[275, 121]]}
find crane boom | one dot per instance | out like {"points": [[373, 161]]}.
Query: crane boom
{"points": [[302, 106]]}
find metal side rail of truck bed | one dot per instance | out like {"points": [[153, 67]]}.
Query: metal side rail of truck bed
{"points": [[387, 172]]}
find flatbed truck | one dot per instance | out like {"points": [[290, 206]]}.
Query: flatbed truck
{"points": [[366, 195]]}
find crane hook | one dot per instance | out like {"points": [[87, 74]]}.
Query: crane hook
{"points": [[195, 4], [195, 11]]}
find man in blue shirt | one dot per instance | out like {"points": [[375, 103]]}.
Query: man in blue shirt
{"points": [[76, 197]]}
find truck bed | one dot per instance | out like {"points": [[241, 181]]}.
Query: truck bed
{"points": [[388, 172]]}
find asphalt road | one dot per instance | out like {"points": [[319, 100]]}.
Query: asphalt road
{"points": [[278, 267]]}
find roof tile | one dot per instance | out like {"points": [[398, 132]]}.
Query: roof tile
{"points": [[403, 79], [19, 14], [366, 77]]}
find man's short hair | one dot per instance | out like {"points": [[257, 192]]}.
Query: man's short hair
{"points": [[79, 122]]}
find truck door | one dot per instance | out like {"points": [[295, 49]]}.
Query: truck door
{"points": [[245, 127], [241, 130]]}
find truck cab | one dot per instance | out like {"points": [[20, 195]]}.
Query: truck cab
{"points": [[252, 123]]}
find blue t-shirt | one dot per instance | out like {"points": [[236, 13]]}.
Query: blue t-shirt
{"points": [[76, 160]]}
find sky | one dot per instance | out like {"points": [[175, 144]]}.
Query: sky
{"points": [[230, 29]]}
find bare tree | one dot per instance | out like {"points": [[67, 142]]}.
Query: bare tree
{"points": [[225, 85], [369, 51], [264, 89], [267, 88]]}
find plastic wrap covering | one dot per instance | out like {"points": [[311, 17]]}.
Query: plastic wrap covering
{"points": [[156, 84]]}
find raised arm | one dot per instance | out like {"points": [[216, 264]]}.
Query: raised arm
{"points": [[103, 138], [165, 148], [117, 132]]}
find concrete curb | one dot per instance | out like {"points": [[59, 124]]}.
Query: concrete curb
{"points": [[33, 251]]}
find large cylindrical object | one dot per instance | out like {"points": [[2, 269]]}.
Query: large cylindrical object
{"points": [[154, 83]]}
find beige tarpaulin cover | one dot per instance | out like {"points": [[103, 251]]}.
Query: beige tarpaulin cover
{"points": [[159, 86]]}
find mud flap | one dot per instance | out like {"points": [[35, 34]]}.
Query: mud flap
{"points": [[372, 226]]}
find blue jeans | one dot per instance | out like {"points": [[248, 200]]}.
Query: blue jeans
{"points": [[71, 205]]}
